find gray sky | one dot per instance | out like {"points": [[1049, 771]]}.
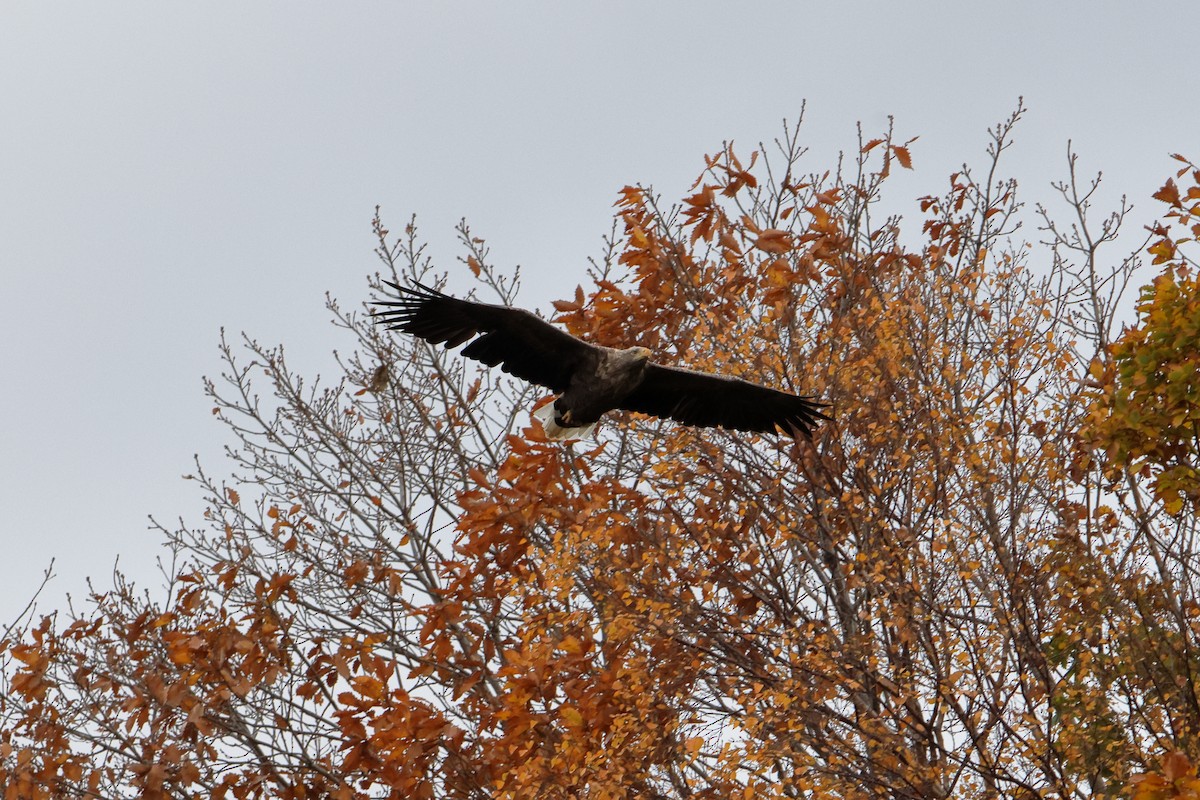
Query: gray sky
{"points": [[168, 169]]}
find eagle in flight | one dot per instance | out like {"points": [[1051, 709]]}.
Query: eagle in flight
{"points": [[591, 379]]}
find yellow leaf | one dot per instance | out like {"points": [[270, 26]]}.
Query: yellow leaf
{"points": [[368, 686], [1162, 250]]}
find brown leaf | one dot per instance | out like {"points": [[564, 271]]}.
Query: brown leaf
{"points": [[1176, 765], [1169, 194], [774, 241]]}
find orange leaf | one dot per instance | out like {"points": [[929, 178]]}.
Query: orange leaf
{"points": [[1176, 765], [368, 687], [1162, 250], [571, 716], [774, 241], [630, 196], [1169, 194], [729, 242], [571, 305]]}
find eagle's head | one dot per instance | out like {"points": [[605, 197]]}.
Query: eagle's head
{"points": [[631, 362], [637, 354]]}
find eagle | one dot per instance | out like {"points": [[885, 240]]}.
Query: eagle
{"points": [[591, 379]]}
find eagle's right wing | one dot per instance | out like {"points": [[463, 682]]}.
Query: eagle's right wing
{"points": [[522, 344]]}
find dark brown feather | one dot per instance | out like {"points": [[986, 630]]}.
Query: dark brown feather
{"points": [[697, 398], [519, 342]]}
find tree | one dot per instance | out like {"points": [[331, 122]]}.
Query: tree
{"points": [[1142, 438], [1147, 412], [403, 590]]}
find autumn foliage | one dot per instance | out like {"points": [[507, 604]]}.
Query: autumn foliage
{"points": [[1147, 414], [977, 580]]}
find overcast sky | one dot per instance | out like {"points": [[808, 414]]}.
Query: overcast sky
{"points": [[168, 169]]}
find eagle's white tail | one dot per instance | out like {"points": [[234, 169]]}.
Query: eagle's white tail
{"points": [[545, 415]]}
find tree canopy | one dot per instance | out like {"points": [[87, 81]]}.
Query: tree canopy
{"points": [[977, 580]]}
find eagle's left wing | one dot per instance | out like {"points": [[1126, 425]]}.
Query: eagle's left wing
{"points": [[697, 398]]}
